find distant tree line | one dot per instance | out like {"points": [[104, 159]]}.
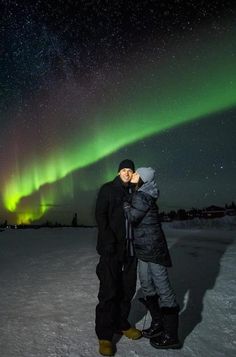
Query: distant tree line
{"points": [[208, 212], [180, 214]]}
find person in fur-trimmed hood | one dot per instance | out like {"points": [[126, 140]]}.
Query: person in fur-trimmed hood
{"points": [[153, 259]]}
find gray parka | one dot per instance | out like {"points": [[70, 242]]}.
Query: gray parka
{"points": [[149, 239]]}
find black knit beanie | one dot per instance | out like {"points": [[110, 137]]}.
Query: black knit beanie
{"points": [[126, 164]]}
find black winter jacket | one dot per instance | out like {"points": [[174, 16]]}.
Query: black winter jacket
{"points": [[110, 218], [149, 239]]}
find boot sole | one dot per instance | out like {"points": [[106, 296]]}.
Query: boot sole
{"points": [[177, 346], [106, 354]]}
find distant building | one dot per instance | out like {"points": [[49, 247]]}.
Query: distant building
{"points": [[213, 212], [230, 211]]}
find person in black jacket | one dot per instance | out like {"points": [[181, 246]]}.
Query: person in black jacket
{"points": [[117, 267], [153, 259]]}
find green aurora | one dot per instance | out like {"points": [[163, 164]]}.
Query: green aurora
{"points": [[181, 89]]}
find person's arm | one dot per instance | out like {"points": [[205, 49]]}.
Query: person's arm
{"points": [[106, 235], [137, 209]]}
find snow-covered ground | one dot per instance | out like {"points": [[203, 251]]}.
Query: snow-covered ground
{"points": [[48, 293]]}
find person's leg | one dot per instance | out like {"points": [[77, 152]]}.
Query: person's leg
{"points": [[151, 300], [152, 304], [127, 291], [147, 285], [109, 273], [169, 337], [160, 278], [169, 309]]}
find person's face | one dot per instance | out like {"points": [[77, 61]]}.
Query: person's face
{"points": [[135, 177], [126, 175]]}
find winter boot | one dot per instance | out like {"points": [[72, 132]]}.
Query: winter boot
{"points": [[132, 333], [152, 304], [169, 337], [105, 348]]}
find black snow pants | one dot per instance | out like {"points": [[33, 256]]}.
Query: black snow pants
{"points": [[117, 288]]}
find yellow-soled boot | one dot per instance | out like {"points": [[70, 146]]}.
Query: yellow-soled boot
{"points": [[105, 348], [132, 333]]}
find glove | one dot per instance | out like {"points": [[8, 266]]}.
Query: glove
{"points": [[126, 205]]}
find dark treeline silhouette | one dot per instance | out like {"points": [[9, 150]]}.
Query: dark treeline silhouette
{"points": [[207, 212], [74, 222], [180, 214]]}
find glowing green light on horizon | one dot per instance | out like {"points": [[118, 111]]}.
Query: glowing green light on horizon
{"points": [[192, 91], [28, 217]]}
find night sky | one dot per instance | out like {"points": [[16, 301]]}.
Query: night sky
{"points": [[85, 84]]}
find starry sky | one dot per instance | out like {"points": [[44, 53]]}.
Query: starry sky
{"points": [[85, 84]]}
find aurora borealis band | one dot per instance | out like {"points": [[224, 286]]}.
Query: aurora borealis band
{"points": [[75, 121]]}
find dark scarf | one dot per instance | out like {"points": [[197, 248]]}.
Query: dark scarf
{"points": [[129, 234]]}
